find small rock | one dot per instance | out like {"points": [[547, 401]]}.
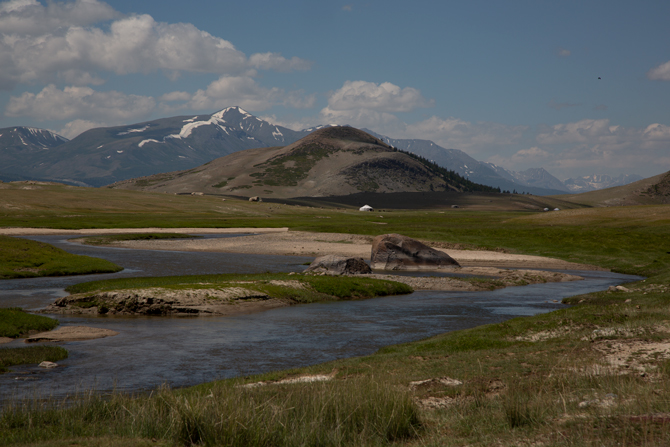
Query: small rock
{"points": [[48, 365], [628, 300]]}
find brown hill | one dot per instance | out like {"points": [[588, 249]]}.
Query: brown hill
{"points": [[650, 191], [330, 161]]}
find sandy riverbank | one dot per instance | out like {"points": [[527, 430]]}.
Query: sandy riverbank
{"points": [[280, 241]]}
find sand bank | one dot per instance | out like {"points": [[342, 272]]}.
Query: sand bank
{"points": [[280, 241]]}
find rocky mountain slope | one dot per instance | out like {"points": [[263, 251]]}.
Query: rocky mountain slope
{"points": [[330, 161], [101, 156], [21, 146]]}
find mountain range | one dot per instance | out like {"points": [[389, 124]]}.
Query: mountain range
{"points": [[596, 182], [336, 160], [103, 156], [22, 145]]}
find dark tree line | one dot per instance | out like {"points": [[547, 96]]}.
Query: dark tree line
{"points": [[451, 177]]}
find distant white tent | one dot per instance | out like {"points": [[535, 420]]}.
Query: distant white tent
{"points": [[366, 208]]}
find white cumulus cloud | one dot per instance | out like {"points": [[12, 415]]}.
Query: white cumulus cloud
{"points": [[76, 127], [367, 104], [577, 132], [57, 42], [591, 146], [275, 61], [109, 107], [660, 73], [465, 135], [30, 17], [533, 154], [384, 97], [245, 92]]}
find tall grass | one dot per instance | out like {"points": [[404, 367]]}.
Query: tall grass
{"points": [[350, 412]]}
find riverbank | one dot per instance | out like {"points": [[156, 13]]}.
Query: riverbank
{"points": [[273, 241], [282, 241], [594, 374]]}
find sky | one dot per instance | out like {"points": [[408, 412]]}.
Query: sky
{"points": [[576, 87]]}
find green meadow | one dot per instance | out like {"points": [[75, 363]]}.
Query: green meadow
{"points": [[23, 258], [594, 374]]}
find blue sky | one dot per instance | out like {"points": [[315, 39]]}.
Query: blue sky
{"points": [[510, 82]]}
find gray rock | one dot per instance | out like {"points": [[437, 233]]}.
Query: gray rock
{"points": [[48, 365], [339, 265], [398, 252]]}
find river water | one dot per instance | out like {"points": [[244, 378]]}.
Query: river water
{"points": [[183, 351]]}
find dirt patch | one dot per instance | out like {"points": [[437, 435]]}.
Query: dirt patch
{"points": [[430, 383], [72, 333], [4, 340], [547, 335], [491, 389], [292, 380], [627, 356]]}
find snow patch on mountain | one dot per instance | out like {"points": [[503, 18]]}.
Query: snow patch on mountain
{"points": [[215, 120], [129, 131], [595, 182], [150, 140]]}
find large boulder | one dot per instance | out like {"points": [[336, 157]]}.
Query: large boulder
{"points": [[339, 265], [398, 252]]}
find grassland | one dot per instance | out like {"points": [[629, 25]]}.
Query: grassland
{"points": [[594, 374], [22, 258]]}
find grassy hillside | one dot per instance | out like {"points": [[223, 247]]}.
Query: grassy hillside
{"points": [[650, 191]]}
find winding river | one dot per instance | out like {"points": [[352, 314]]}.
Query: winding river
{"points": [[183, 351]]}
